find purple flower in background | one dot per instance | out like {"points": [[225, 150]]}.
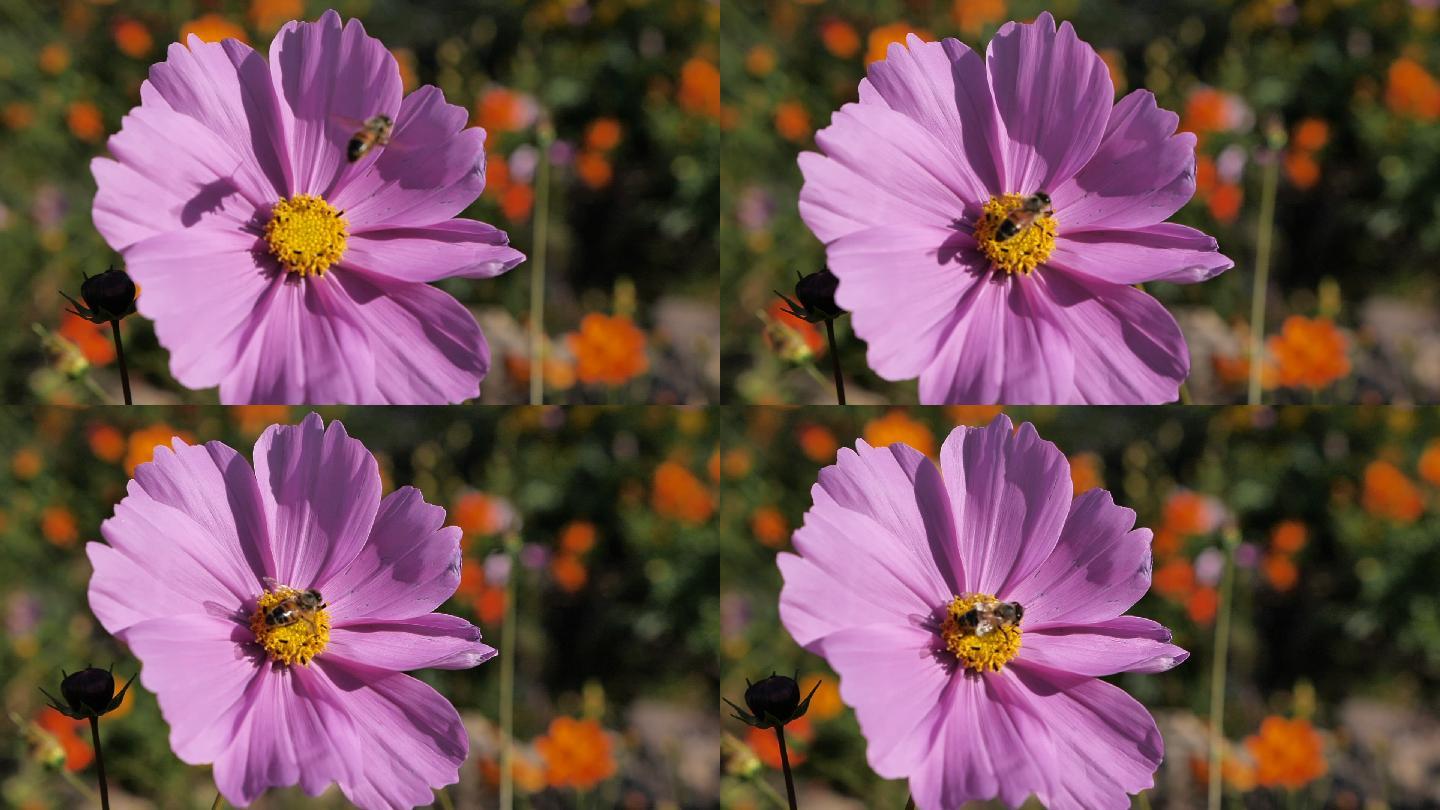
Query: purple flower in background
{"points": [[201, 553], [916, 181], [272, 265], [970, 612]]}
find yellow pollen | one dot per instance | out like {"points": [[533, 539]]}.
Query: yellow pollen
{"points": [[294, 643], [978, 653], [1024, 251], [306, 234]]}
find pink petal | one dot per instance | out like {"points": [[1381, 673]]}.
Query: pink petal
{"points": [[1142, 173], [958, 767], [203, 676], [1053, 95], [880, 167], [427, 347], [943, 86], [321, 490], [328, 80], [408, 567], [1005, 346], [263, 751], [401, 737], [1164, 252], [432, 641], [304, 344], [202, 286], [1010, 492], [431, 171], [1122, 644], [459, 247], [1098, 570], [170, 173], [902, 286], [1106, 743], [1127, 348], [226, 86], [890, 674]]}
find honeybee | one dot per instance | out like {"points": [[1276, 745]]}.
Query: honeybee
{"points": [[1031, 208], [987, 617], [298, 606], [374, 132]]}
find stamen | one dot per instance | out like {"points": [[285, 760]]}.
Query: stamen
{"points": [[293, 643], [976, 650], [1023, 252], [306, 234]]}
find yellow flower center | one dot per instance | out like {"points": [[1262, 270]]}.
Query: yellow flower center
{"points": [[977, 636], [296, 640], [306, 234], [1023, 251]]}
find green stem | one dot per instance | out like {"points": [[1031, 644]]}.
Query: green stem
{"points": [[444, 799], [218, 803], [785, 765], [835, 360], [1262, 274], [537, 268], [1185, 394], [507, 684], [95, 736], [1218, 674], [120, 356]]}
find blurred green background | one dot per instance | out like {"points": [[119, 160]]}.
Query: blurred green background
{"points": [[594, 525], [630, 86], [1348, 88], [1334, 653]]}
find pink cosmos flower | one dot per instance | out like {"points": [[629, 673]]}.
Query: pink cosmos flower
{"points": [[274, 267], [203, 548], [916, 179], [893, 557]]}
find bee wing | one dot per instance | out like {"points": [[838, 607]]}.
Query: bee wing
{"points": [[271, 583]]}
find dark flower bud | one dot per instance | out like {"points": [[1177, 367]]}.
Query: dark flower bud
{"points": [[773, 701], [815, 297], [88, 693], [109, 296]]}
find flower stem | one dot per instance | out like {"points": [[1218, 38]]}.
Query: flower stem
{"points": [[909, 803], [1185, 395], [218, 803], [445, 799], [835, 360], [1262, 274], [507, 683], [537, 268], [95, 730], [120, 356], [785, 763], [1218, 673]]}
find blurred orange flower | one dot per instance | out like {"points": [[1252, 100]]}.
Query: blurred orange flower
{"points": [[1208, 109], [593, 169], [529, 777], [1411, 91], [576, 754], [1288, 753], [58, 525], [142, 443], [26, 463], [798, 735], [478, 514], [54, 58], [1301, 169], [603, 134], [1280, 571], [67, 732], [500, 109], [678, 494], [1201, 605], [897, 426], [840, 38], [578, 536], [1225, 202], [568, 572], [700, 88], [1189, 514], [818, 443], [972, 415], [1310, 134], [1288, 536], [1309, 353], [85, 121], [792, 122], [737, 462], [1389, 493], [253, 419], [133, 39], [106, 442], [92, 339], [825, 703], [971, 16], [1430, 462], [516, 201], [794, 339], [17, 115], [769, 526], [880, 39], [269, 15], [760, 60], [608, 349], [1085, 472], [1175, 580], [212, 28]]}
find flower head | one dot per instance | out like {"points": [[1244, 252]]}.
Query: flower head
{"points": [[207, 575], [274, 265], [1288, 753], [973, 608], [576, 754], [988, 219], [89, 693], [109, 296]]}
